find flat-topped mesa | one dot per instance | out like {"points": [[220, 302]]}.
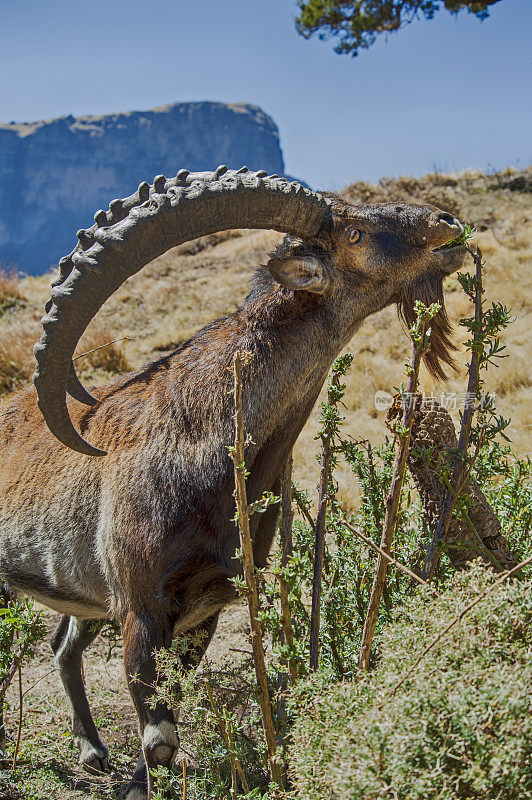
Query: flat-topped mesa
{"points": [[55, 173]]}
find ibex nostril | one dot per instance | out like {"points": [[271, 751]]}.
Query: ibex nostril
{"points": [[444, 216]]}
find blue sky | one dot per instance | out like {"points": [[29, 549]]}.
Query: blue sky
{"points": [[448, 94]]}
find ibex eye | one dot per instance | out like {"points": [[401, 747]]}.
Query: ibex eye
{"points": [[353, 235]]}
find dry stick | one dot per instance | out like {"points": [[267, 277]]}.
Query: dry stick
{"points": [[13, 667], [460, 471], [20, 707], [289, 670], [392, 501], [107, 344], [184, 780], [308, 518], [225, 736], [245, 785], [387, 556], [458, 617], [319, 547], [287, 516], [251, 579], [225, 730]]}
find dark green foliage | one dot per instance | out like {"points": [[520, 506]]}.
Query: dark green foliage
{"points": [[358, 22], [461, 727], [21, 627], [506, 482]]}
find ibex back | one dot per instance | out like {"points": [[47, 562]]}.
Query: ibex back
{"points": [[144, 534]]}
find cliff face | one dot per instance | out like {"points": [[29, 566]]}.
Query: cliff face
{"points": [[54, 175]]}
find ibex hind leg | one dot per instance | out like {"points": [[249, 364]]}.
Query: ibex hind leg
{"points": [[68, 643], [142, 636]]}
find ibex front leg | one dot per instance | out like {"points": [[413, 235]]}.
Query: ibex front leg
{"points": [[143, 634]]}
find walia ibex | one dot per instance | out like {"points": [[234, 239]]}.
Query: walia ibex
{"points": [[144, 534]]}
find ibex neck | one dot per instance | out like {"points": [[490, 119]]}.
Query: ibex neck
{"points": [[293, 339]]}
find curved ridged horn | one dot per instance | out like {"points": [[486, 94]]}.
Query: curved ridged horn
{"points": [[193, 205], [76, 389]]}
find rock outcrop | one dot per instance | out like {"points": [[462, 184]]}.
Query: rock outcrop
{"points": [[55, 174]]}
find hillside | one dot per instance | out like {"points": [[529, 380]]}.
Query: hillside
{"points": [[55, 174], [197, 282]]}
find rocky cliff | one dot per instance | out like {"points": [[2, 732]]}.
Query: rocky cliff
{"points": [[55, 174]]}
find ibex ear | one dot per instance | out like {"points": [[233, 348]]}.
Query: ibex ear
{"points": [[300, 272]]}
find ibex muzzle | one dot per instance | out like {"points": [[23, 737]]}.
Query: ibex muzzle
{"points": [[144, 534]]}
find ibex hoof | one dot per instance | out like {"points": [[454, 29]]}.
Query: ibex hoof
{"points": [[160, 743], [93, 759]]}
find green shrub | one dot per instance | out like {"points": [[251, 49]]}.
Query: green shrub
{"points": [[460, 727]]}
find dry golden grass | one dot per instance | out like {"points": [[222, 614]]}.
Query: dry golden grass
{"points": [[16, 355], [190, 286], [98, 350], [10, 290], [18, 334], [20, 328]]}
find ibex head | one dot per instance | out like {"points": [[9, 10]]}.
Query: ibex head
{"points": [[373, 255], [362, 257]]}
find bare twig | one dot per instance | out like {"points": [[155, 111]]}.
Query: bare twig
{"points": [[223, 730], [184, 796], [387, 556], [20, 717], [107, 344], [458, 617], [239, 650], [309, 519], [460, 471], [289, 671], [13, 667], [319, 548], [394, 496], [251, 579], [287, 516], [241, 775], [229, 744]]}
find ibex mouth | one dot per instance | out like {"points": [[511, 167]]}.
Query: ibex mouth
{"points": [[449, 257], [458, 241], [464, 233]]}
